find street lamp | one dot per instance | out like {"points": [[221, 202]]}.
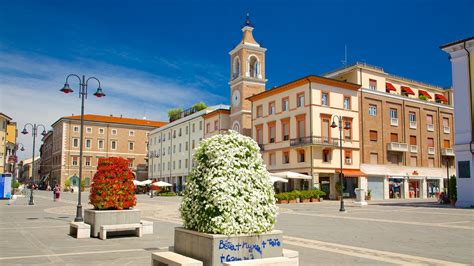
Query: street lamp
{"points": [[82, 94], [34, 133], [346, 126], [447, 174]]}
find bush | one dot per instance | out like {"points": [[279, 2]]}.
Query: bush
{"points": [[167, 194], [199, 106], [174, 113], [67, 183], [306, 194], [452, 190], [282, 196], [15, 184], [112, 186], [229, 191]]}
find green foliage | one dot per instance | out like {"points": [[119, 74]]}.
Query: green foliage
{"points": [[305, 194], [423, 97], [67, 183], [199, 106], [369, 192], [167, 194], [15, 184], [339, 187], [174, 113], [453, 191]]}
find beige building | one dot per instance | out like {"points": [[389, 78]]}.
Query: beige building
{"points": [[171, 147], [26, 171], [406, 130], [292, 125], [104, 136], [7, 140]]}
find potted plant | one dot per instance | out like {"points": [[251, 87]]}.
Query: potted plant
{"points": [[369, 194], [305, 196], [112, 194], [67, 185], [228, 207], [453, 191], [292, 197], [282, 198], [338, 190]]}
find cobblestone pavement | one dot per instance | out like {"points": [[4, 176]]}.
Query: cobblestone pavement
{"points": [[386, 232]]}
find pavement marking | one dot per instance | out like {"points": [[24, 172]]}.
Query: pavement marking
{"points": [[458, 222], [33, 227], [384, 220], [373, 254], [72, 254]]}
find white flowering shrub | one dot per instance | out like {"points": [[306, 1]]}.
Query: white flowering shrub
{"points": [[229, 191]]}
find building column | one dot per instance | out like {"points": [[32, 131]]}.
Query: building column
{"points": [[423, 188], [386, 187], [315, 184], [406, 189]]}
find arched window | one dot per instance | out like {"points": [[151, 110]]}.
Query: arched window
{"points": [[254, 67], [236, 127], [236, 68]]}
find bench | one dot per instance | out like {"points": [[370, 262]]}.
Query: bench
{"points": [[79, 230], [147, 227], [119, 227], [169, 258]]}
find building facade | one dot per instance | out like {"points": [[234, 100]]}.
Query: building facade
{"points": [[171, 147], [7, 141], [292, 125], [406, 132], [104, 136], [462, 62], [26, 170]]}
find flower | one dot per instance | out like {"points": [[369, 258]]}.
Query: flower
{"points": [[229, 191]]}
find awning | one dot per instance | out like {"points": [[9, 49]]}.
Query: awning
{"points": [[424, 93], [274, 179], [351, 172], [389, 86], [407, 90], [441, 98], [291, 175]]}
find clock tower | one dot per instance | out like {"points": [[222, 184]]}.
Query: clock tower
{"points": [[247, 77]]}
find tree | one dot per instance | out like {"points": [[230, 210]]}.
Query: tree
{"points": [[452, 189], [229, 191], [112, 186], [199, 106]]}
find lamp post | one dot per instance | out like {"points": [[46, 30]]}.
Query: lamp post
{"points": [[15, 148], [447, 174], [34, 133], [83, 82], [347, 126]]}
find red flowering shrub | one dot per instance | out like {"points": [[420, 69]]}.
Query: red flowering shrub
{"points": [[112, 186]]}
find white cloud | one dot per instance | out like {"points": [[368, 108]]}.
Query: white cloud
{"points": [[29, 89]]}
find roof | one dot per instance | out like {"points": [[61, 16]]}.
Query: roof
{"points": [[456, 42], [216, 112], [6, 116], [304, 80], [116, 120]]}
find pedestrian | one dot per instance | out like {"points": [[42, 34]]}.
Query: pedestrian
{"points": [[57, 192]]}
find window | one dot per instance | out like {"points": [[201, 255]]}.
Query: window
{"points": [[372, 110], [393, 117], [285, 125], [180, 132], [372, 84], [114, 131], [347, 103], [113, 145], [325, 130], [88, 143], [186, 146], [348, 132], [284, 104], [271, 159], [174, 165], [373, 135], [430, 142], [180, 146], [193, 144], [254, 67], [300, 100], [179, 164], [446, 143], [348, 157], [194, 127], [412, 117], [412, 140], [208, 127], [187, 130], [259, 111], [271, 132], [186, 163], [200, 125], [101, 131], [431, 162], [174, 134], [131, 133], [87, 161], [271, 108], [100, 144], [75, 129], [174, 149], [130, 162], [259, 131], [216, 125], [413, 161], [464, 169], [286, 157], [324, 99], [75, 142], [301, 158], [393, 158], [326, 155], [131, 146], [88, 130], [429, 123], [301, 124], [393, 137], [169, 150], [446, 128], [374, 158], [74, 160]]}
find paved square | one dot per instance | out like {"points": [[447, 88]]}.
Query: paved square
{"points": [[393, 232]]}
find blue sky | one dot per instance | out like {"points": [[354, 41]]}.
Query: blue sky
{"points": [[154, 55]]}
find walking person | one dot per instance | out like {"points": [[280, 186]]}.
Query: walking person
{"points": [[57, 192]]}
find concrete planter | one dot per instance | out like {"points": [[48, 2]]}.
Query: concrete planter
{"points": [[305, 200], [97, 218], [214, 249], [292, 201], [283, 201], [314, 199]]}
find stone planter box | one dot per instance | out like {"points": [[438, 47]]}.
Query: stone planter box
{"points": [[283, 201], [305, 200], [214, 249], [97, 218], [292, 201], [314, 199]]}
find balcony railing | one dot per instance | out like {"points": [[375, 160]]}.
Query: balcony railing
{"points": [[447, 152], [397, 146], [325, 141], [446, 130], [394, 121], [413, 148], [413, 124], [431, 150], [430, 127]]}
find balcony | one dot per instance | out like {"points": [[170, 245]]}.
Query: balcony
{"points": [[430, 127], [394, 121], [323, 141], [397, 146], [413, 148], [413, 124], [431, 150], [447, 130], [447, 152]]}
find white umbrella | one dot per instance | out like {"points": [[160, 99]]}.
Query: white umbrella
{"points": [[138, 183], [147, 182], [277, 179], [161, 184], [291, 175]]}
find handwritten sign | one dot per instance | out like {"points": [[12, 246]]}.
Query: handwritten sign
{"points": [[229, 249]]}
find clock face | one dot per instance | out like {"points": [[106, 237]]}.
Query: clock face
{"points": [[236, 98]]}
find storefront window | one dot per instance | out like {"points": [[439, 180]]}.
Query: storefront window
{"points": [[414, 189], [432, 187], [395, 188]]}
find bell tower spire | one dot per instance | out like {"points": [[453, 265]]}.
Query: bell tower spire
{"points": [[247, 61]]}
